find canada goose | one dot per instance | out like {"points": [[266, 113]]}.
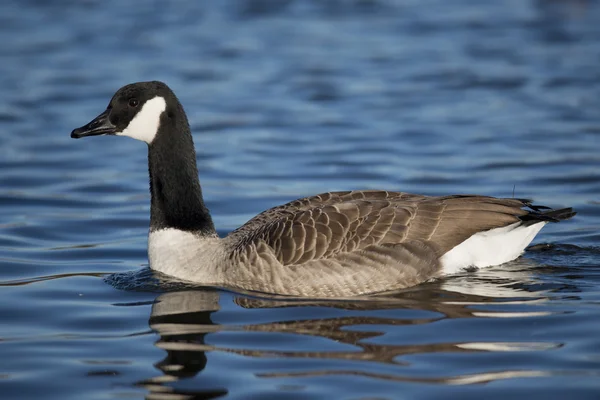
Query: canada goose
{"points": [[335, 244]]}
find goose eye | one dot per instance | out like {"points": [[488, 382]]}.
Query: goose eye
{"points": [[133, 103]]}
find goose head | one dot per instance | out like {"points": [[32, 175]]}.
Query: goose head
{"points": [[136, 110]]}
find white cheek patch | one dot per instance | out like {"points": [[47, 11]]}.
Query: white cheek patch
{"points": [[144, 125]]}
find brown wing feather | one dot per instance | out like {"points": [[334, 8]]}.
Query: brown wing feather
{"points": [[330, 225]]}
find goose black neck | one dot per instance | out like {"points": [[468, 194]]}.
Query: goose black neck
{"points": [[176, 196]]}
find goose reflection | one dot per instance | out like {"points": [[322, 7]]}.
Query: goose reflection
{"points": [[183, 319]]}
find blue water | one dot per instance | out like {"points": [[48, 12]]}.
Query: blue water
{"points": [[286, 99]]}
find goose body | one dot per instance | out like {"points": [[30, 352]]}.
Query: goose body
{"points": [[336, 244]]}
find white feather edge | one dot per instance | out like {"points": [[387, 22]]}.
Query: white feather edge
{"points": [[493, 247]]}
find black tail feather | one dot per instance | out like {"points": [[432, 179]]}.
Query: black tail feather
{"points": [[546, 214]]}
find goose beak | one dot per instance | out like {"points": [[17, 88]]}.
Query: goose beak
{"points": [[100, 125]]}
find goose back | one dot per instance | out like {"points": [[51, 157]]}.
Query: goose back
{"points": [[359, 241]]}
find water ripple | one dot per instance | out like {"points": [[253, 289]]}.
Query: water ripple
{"points": [[286, 99]]}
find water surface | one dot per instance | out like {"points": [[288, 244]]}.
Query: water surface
{"points": [[288, 99]]}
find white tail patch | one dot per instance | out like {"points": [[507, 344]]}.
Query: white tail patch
{"points": [[493, 247], [144, 125]]}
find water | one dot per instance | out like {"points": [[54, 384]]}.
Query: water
{"points": [[287, 99]]}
